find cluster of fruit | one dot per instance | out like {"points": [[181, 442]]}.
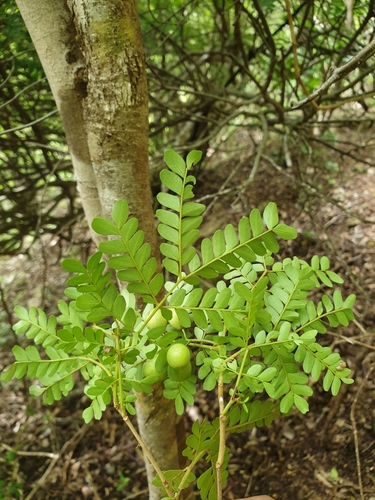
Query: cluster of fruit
{"points": [[178, 355]]}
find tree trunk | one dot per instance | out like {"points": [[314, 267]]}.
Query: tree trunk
{"points": [[93, 58], [52, 32]]}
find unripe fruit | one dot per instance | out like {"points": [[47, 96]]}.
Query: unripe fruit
{"points": [[149, 369], [156, 320], [174, 321], [178, 356], [180, 374]]}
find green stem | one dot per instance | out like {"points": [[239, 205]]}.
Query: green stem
{"points": [[118, 389], [145, 450], [188, 471], [221, 454], [90, 360], [239, 376]]}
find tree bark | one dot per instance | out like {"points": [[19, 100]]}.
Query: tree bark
{"points": [[93, 58], [52, 32], [116, 105]]}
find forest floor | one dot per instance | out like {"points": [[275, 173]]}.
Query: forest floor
{"points": [[49, 453]]}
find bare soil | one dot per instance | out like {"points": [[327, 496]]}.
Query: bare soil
{"points": [[49, 453]]}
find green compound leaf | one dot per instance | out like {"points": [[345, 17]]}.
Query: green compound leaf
{"points": [[204, 441], [178, 225], [229, 248], [246, 416], [36, 326], [133, 262]]}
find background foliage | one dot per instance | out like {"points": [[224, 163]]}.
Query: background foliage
{"points": [[217, 70], [37, 189]]}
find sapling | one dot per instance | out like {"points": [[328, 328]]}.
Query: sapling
{"points": [[252, 336]]}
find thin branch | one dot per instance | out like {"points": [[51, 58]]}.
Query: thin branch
{"points": [[369, 70], [145, 450], [312, 191], [45, 146], [2, 84], [222, 189], [21, 127], [350, 340], [359, 31], [269, 38], [42, 480], [338, 73], [221, 454], [21, 92], [342, 153], [31, 453]]}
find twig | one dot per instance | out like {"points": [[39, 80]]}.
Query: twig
{"points": [[215, 195], [260, 148], [31, 453], [362, 328], [341, 151], [3, 83], [335, 73], [338, 74], [142, 493], [297, 71], [73, 441], [352, 341], [42, 479], [45, 146], [91, 482], [312, 191], [21, 127], [21, 92], [54, 456], [355, 432], [145, 450], [222, 189]]}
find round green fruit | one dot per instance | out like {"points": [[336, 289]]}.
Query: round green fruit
{"points": [[149, 369], [178, 356], [156, 320], [180, 374], [174, 321]]}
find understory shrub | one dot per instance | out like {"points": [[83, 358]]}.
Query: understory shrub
{"points": [[252, 336]]}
